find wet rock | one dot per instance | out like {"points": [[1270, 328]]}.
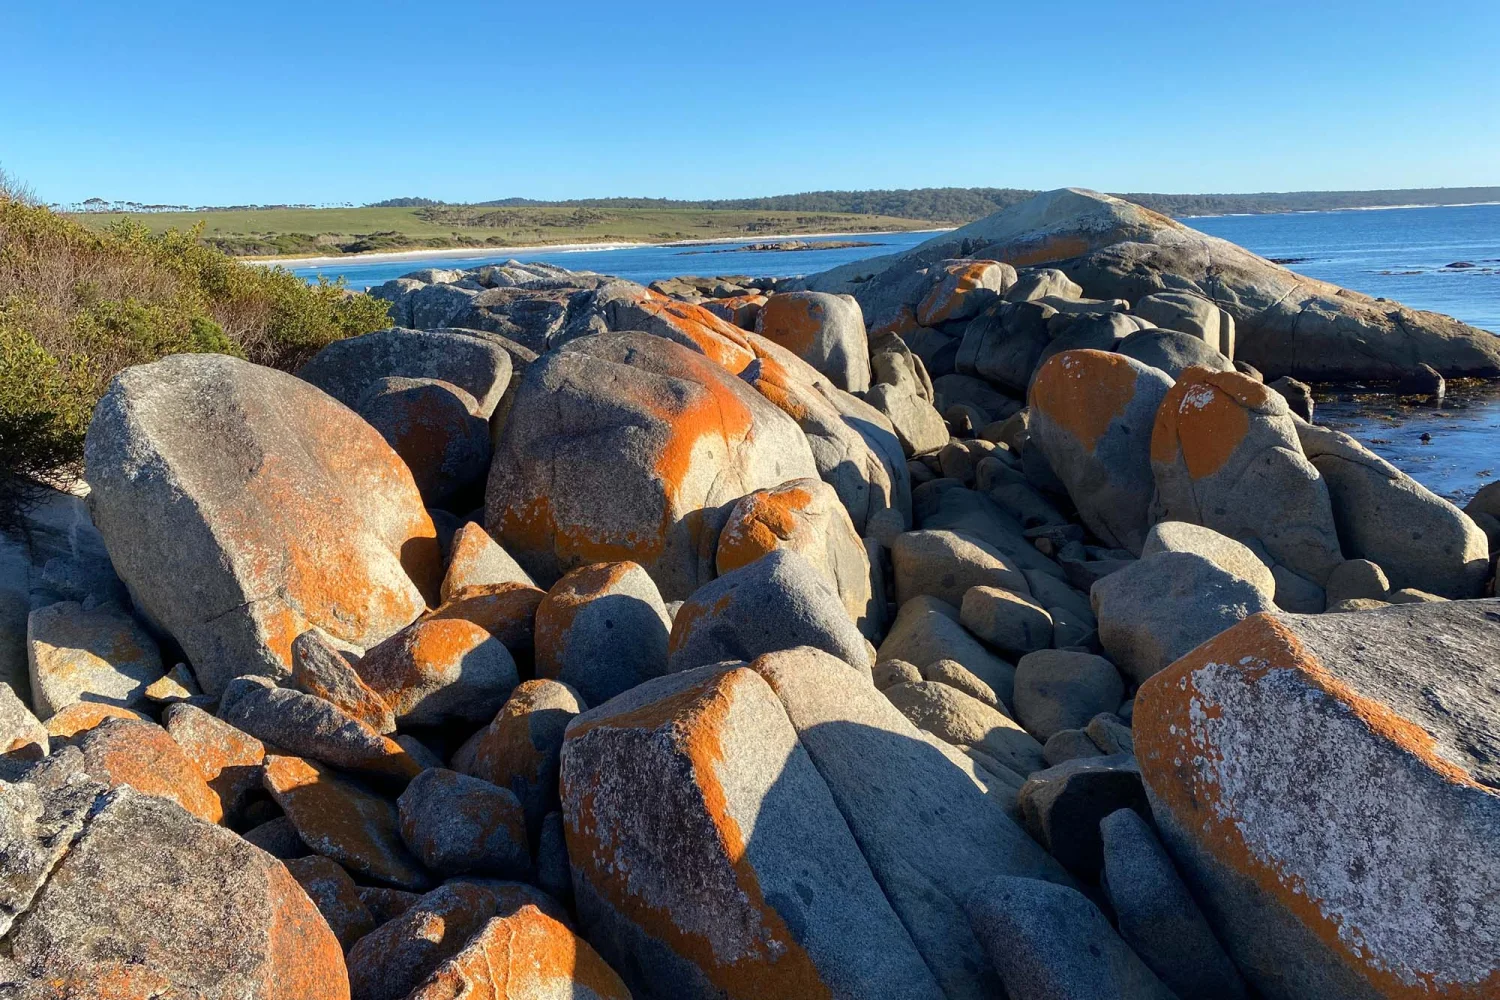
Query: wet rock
{"points": [[98, 655], [777, 602], [1360, 798], [478, 559], [1058, 689], [1050, 943], [1157, 915], [616, 444], [1090, 417], [215, 485], [340, 819], [1160, 607], [602, 629], [150, 902], [457, 824], [439, 670]]}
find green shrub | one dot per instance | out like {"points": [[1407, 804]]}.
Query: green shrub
{"points": [[77, 306]]}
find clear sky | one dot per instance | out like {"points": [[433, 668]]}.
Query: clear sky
{"points": [[326, 101]]}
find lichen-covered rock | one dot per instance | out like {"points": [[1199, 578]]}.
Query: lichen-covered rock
{"points": [[441, 669], [319, 668], [341, 820], [305, 725], [457, 825], [505, 610], [149, 902], [826, 331], [520, 749], [229, 759], [963, 289], [476, 558], [398, 956], [524, 954], [243, 506], [18, 727], [630, 307], [1091, 416], [1382, 514], [83, 715], [1328, 803], [100, 655], [602, 629], [335, 895], [805, 516], [710, 860], [437, 429], [776, 602], [144, 756], [347, 368], [618, 447], [1225, 454], [1160, 607]]}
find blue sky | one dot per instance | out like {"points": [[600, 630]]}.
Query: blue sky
{"points": [[321, 102]]}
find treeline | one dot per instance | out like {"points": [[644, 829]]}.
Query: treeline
{"points": [[959, 205]]}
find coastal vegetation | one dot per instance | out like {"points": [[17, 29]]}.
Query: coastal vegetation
{"points": [[78, 304], [415, 223]]}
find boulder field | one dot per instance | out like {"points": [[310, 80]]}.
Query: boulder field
{"points": [[972, 624]]}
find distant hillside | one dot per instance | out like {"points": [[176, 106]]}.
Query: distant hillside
{"points": [[958, 205]]}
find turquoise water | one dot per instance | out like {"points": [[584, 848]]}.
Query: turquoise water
{"points": [[1400, 254]]}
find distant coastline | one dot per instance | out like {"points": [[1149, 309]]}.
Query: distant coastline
{"points": [[398, 256]]}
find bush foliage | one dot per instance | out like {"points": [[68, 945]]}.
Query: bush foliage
{"points": [[77, 306]]}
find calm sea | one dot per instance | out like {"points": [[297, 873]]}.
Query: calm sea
{"points": [[1401, 254]]}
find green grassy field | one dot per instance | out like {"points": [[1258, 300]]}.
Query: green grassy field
{"points": [[333, 231]]}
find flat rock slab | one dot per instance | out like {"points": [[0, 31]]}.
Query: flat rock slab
{"points": [[1328, 785]]}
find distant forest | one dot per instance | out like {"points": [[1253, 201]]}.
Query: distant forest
{"points": [[967, 204]]}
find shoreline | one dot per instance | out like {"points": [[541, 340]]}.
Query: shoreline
{"points": [[438, 253]]}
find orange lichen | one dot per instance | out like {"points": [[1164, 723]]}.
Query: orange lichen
{"points": [[1084, 391], [304, 959], [80, 716], [761, 523], [523, 955], [1204, 418], [904, 322], [772, 962], [143, 756], [792, 321], [945, 297], [554, 616], [506, 610], [719, 340], [1045, 250], [1172, 750]]}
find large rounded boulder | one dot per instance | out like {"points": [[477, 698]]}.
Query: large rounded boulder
{"points": [[243, 506], [826, 331], [622, 446], [1091, 416]]}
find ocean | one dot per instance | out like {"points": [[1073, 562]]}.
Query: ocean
{"points": [[1402, 254]]}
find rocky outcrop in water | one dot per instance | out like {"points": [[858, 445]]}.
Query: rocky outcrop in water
{"points": [[971, 637]]}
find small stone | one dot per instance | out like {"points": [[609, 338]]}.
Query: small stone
{"points": [[506, 610], [175, 685], [1057, 690], [457, 824], [1356, 578], [602, 629], [889, 673], [519, 750], [308, 726], [956, 675], [945, 564], [1069, 744], [478, 559], [319, 668], [956, 718], [1008, 621]]}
